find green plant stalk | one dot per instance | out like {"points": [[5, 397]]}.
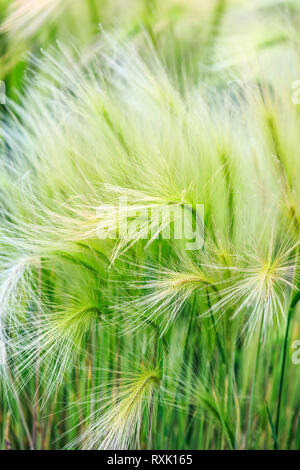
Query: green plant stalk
{"points": [[151, 409], [254, 384], [182, 372], [36, 417], [155, 359], [219, 344]]}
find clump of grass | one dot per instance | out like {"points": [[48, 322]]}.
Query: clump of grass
{"points": [[154, 344]]}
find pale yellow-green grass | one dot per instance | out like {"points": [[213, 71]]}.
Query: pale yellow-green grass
{"points": [[112, 338]]}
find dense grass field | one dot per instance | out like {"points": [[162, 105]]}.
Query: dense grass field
{"points": [[149, 224]]}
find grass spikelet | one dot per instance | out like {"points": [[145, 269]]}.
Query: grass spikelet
{"points": [[118, 424], [117, 329], [160, 293], [54, 337]]}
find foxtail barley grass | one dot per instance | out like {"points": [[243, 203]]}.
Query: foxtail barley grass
{"points": [[111, 338]]}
